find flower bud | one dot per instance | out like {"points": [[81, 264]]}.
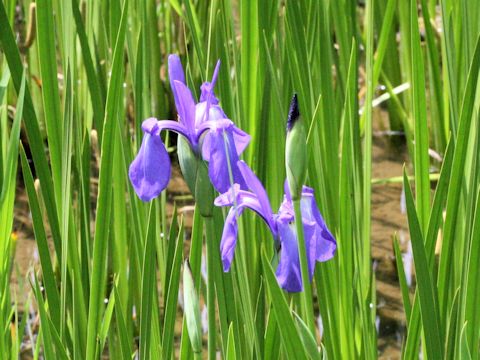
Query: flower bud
{"points": [[296, 150]]}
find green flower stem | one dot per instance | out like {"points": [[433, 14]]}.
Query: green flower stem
{"points": [[306, 295], [210, 235]]}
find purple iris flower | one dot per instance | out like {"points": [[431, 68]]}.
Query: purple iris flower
{"points": [[320, 243], [206, 128]]}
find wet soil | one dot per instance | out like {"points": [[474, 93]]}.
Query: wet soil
{"points": [[388, 220]]}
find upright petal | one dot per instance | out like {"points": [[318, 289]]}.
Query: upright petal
{"points": [[223, 159], [175, 73], [229, 237], [149, 172], [215, 73], [185, 107], [207, 93]]}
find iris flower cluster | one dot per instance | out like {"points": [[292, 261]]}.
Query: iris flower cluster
{"points": [[213, 138], [206, 128]]}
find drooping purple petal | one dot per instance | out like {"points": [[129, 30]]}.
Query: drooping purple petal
{"points": [[150, 126], [149, 172], [185, 107], [222, 160], [288, 272], [241, 198], [241, 139], [175, 126], [312, 238], [325, 242], [256, 186], [229, 237]]}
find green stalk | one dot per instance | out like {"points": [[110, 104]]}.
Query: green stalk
{"points": [[210, 240], [306, 296]]}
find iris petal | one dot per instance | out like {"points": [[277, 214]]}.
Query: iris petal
{"points": [[222, 159], [229, 237], [185, 107], [175, 73], [215, 112], [241, 139], [288, 272], [175, 126], [207, 93], [325, 242], [214, 126], [256, 186], [149, 172]]}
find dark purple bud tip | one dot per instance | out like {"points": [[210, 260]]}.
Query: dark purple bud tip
{"points": [[293, 113]]}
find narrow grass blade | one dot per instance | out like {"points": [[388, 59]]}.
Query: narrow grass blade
{"points": [[171, 300], [272, 337], [249, 60], [47, 337], [192, 310], [49, 280], [8, 185], [435, 221], [148, 286], [291, 340], [308, 339], [231, 355], [12, 55], [419, 106], [472, 312], [102, 224], [465, 353], [426, 288], [50, 93], [456, 179], [93, 82]]}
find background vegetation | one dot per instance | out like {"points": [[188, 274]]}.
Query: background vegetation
{"points": [[78, 77]]}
